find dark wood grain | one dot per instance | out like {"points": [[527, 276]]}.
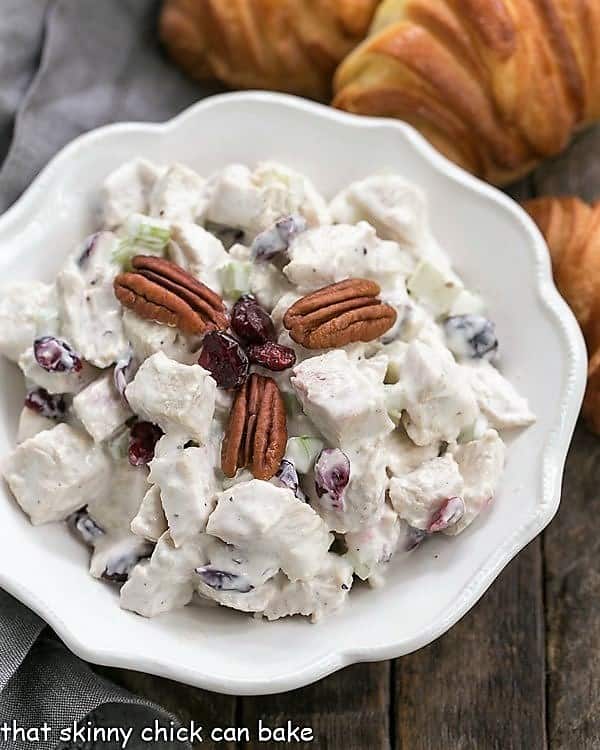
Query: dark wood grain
{"points": [[348, 710], [571, 550], [187, 703], [482, 684], [570, 544]]}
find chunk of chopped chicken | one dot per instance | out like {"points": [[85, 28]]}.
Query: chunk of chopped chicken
{"points": [[372, 546], [127, 190], [147, 337], [327, 254], [28, 309], [362, 500], [497, 398], [115, 508], [100, 408], [178, 195], [396, 208], [480, 463], [254, 200], [52, 473], [90, 314], [177, 397], [150, 521], [165, 581], [417, 496], [187, 481], [257, 516], [316, 597], [439, 401], [199, 252], [345, 403]]}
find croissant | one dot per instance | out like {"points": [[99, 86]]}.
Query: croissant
{"points": [[286, 45], [572, 231], [496, 85]]}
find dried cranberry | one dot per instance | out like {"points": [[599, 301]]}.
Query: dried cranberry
{"points": [[225, 359], [414, 537], [55, 355], [222, 580], [84, 526], [123, 560], [274, 357], [143, 439], [276, 240], [51, 405], [250, 322], [332, 474], [471, 337], [287, 476], [87, 248], [123, 374]]}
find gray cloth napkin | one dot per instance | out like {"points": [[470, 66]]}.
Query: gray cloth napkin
{"points": [[67, 66]]}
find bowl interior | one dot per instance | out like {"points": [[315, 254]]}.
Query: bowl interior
{"points": [[493, 247]]}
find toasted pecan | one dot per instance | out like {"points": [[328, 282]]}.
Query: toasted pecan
{"points": [[159, 290], [339, 314], [256, 434]]}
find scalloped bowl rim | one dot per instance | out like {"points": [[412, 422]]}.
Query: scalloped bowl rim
{"points": [[554, 454]]}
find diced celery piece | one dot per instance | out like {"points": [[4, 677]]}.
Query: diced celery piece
{"points": [[143, 234], [148, 232], [434, 287], [235, 278], [302, 452], [468, 303]]}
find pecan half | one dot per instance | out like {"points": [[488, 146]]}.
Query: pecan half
{"points": [[339, 314], [160, 290], [256, 435]]}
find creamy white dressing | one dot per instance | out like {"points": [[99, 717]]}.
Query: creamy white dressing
{"points": [[390, 441]]}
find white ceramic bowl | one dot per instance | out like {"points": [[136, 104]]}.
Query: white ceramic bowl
{"points": [[494, 246]]}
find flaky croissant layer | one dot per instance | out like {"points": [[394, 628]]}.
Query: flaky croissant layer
{"points": [[285, 45], [572, 230], [496, 85]]}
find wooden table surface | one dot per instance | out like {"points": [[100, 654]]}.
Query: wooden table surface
{"points": [[521, 670]]}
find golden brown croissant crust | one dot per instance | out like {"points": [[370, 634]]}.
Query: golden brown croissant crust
{"points": [[286, 45], [496, 85], [572, 231]]}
